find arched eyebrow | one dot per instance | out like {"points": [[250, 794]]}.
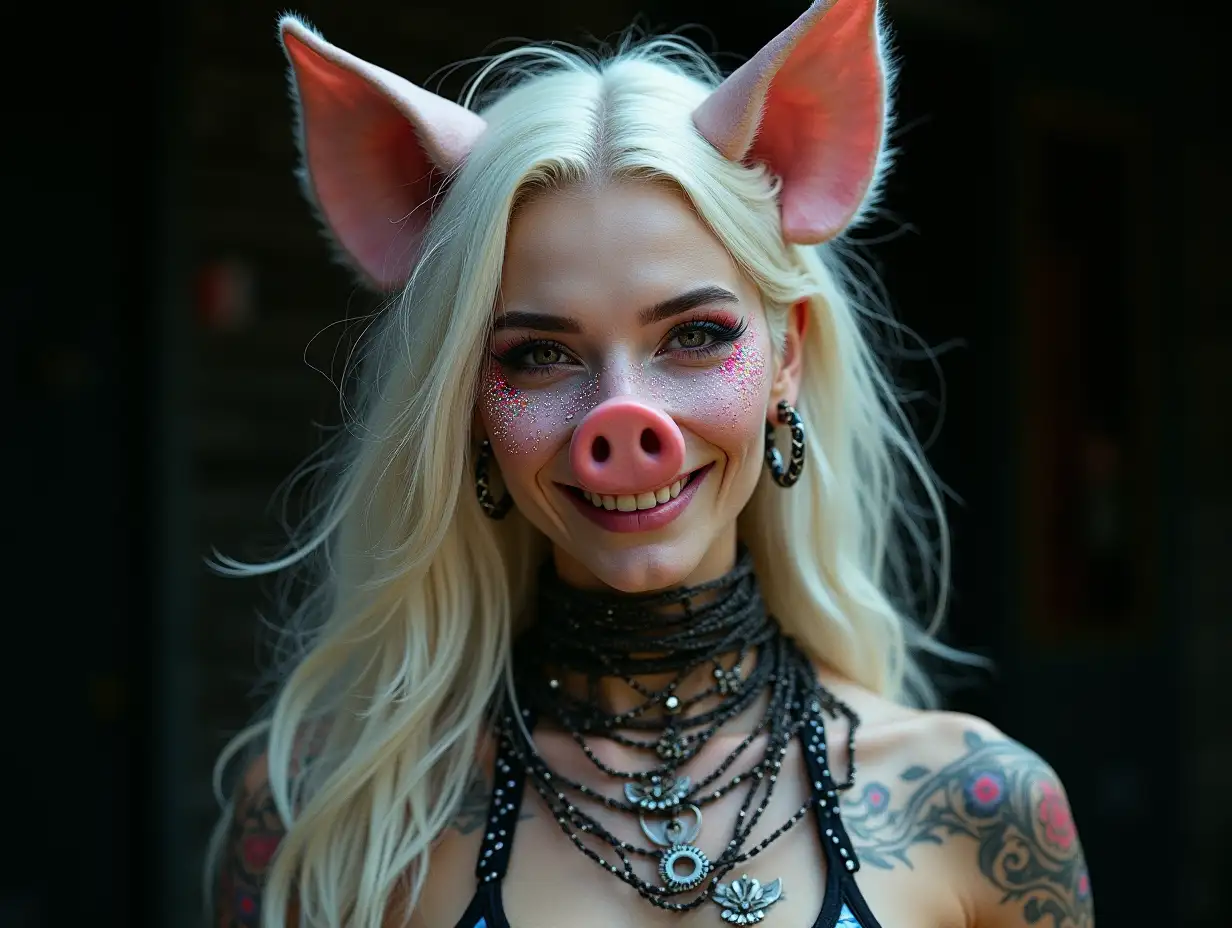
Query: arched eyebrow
{"points": [[666, 309]]}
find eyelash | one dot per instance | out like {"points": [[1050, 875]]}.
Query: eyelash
{"points": [[722, 333]]}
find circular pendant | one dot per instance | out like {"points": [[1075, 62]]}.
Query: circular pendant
{"points": [[683, 867]]}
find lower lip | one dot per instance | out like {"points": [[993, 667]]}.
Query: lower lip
{"points": [[641, 520]]}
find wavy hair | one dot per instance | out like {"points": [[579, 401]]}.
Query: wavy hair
{"points": [[394, 658]]}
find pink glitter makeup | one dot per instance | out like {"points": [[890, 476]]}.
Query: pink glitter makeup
{"points": [[505, 404], [725, 397], [521, 419], [744, 368]]}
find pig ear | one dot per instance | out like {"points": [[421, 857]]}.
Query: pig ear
{"points": [[812, 105], [375, 152]]}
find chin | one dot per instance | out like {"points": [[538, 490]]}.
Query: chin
{"points": [[645, 568]]}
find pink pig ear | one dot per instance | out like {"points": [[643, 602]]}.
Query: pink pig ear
{"points": [[376, 150], [812, 105]]}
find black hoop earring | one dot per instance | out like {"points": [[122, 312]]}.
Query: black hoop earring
{"points": [[492, 508], [786, 476]]}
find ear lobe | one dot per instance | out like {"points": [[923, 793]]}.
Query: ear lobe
{"points": [[812, 106], [375, 151]]}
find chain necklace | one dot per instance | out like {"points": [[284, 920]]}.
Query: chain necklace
{"points": [[598, 635]]}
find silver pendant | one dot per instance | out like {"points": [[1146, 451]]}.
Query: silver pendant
{"points": [[670, 746], [659, 793], [744, 901], [729, 680], [683, 867], [672, 831]]}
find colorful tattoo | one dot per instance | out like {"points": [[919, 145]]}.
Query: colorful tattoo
{"points": [[1005, 798], [256, 831]]}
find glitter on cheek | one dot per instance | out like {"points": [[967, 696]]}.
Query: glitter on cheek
{"points": [[505, 405], [727, 396], [522, 420], [744, 369], [574, 404]]}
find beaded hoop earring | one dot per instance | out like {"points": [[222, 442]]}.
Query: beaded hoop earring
{"points": [[786, 476], [492, 508]]}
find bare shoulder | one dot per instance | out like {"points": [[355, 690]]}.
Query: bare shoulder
{"points": [[954, 789], [256, 830], [253, 835]]}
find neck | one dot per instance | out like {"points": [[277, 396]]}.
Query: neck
{"points": [[615, 695], [630, 654]]}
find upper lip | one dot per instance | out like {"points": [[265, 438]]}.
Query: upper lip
{"points": [[681, 476]]}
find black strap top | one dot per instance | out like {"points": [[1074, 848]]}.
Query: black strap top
{"points": [[843, 905]]}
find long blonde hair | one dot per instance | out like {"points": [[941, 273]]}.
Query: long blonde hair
{"points": [[397, 654]]}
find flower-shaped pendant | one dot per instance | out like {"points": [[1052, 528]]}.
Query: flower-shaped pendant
{"points": [[745, 900], [659, 793]]}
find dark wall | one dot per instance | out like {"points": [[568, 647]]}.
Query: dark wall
{"points": [[1058, 209], [88, 298]]}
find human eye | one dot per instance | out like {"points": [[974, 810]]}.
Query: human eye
{"points": [[534, 356], [702, 338]]}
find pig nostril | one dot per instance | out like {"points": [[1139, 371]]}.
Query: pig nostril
{"points": [[600, 450], [650, 441]]}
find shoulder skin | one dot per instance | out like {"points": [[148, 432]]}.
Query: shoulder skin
{"points": [[994, 808]]}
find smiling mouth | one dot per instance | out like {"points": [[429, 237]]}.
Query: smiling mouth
{"points": [[638, 502]]}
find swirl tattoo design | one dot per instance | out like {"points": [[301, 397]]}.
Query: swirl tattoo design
{"points": [[1006, 799]]}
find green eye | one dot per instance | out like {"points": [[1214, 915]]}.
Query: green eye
{"points": [[692, 338], [545, 355]]}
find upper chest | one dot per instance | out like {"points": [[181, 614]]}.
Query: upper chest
{"points": [[551, 881]]}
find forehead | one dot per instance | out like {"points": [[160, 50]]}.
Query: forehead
{"points": [[583, 246]]}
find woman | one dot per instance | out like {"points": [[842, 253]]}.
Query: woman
{"points": [[606, 567]]}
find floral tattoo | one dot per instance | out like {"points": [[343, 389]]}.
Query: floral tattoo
{"points": [[256, 831], [1008, 801]]}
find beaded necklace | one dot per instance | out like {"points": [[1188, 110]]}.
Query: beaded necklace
{"points": [[594, 635]]}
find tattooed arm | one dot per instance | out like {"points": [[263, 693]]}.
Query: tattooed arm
{"points": [[1003, 818], [255, 832]]}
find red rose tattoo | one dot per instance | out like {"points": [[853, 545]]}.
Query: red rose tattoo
{"points": [[1053, 813], [256, 831], [259, 850]]}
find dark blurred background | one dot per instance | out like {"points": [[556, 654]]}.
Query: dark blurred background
{"points": [[1059, 208]]}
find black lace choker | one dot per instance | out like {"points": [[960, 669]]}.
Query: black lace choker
{"points": [[722, 624], [612, 634]]}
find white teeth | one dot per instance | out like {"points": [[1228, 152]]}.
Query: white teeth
{"points": [[633, 503]]}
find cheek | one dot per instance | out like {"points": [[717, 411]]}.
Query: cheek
{"points": [[726, 403], [507, 412], [744, 373], [521, 421]]}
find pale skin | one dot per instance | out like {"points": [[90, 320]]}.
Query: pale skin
{"points": [[933, 788]]}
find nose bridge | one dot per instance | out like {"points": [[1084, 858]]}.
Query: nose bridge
{"points": [[621, 377]]}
